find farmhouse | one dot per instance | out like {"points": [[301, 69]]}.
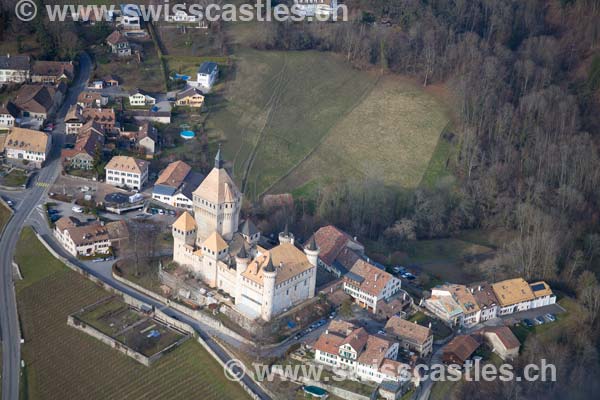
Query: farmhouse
{"points": [[14, 69], [411, 335], [367, 284], [51, 71], [88, 146], [127, 172], [176, 184], [460, 349], [27, 145], [119, 44], [140, 98], [331, 241], [105, 117], [373, 358], [37, 102], [190, 97], [263, 282]]}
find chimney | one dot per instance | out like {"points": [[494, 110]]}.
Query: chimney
{"points": [[376, 275], [429, 325]]}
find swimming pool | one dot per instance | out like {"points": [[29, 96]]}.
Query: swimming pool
{"points": [[187, 134]]}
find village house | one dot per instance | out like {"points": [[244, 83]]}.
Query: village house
{"points": [[347, 347], [14, 69], [502, 341], [175, 185], [111, 81], [141, 98], [88, 147], [119, 44], [368, 285], [331, 241], [74, 120], [87, 239], [459, 350], [88, 99], [410, 335], [105, 117], [486, 300], [146, 138], [27, 145], [469, 309], [8, 115], [131, 17], [127, 172], [207, 76], [182, 16], [52, 71], [36, 103], [191, 97]]}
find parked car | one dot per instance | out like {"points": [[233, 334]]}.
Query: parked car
{"points": [[527, 322], [77, 209], [539, 320], [550, 317]]}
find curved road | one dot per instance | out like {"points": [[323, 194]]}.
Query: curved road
{"points": [[9, 322], [27, 204]]}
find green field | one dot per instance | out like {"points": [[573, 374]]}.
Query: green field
{"points": [[63, 363], [4, 215]]}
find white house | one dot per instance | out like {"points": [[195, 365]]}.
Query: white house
{"points": [[131, 17], [368, 285], [119, 45], [27, 145], [344, 346], [8, 115], [469, 309], [82, 240], [140, 98], [207, 75], [14, 69], [127, 172], [182, 16]]}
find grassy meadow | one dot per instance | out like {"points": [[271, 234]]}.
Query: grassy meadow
{"points": [[63, 363]]}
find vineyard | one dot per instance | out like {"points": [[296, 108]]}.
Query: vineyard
{"points": [[63, 363]]}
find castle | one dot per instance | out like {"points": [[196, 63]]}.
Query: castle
{"points": [[227, 256]]}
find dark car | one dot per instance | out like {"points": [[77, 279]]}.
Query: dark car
{"points": [[527, 322]]}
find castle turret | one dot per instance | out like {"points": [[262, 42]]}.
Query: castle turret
{"points": [[241, 264], [250, 232], [184, 236], [312, 255], [214, 249], [269, 277], [286, 236]]}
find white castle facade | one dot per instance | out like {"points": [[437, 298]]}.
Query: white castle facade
{"points": [[226, 256]]}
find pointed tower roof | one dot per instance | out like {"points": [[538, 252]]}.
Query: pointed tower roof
{"points": [[286, 231], [270, 267], [242, 253], [185, 222], [312, 244], [215, 242], [219, 159], [248, 228], [218, 187]]}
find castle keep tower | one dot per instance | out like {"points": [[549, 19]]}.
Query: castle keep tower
{"points": [[217, 204]]}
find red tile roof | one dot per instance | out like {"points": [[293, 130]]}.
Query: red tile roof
{"points": [[331, 241]]}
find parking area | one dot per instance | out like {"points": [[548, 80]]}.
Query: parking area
{"points": [[533, 314]]}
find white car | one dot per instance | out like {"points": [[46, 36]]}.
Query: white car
{"points": [[77, 209]]}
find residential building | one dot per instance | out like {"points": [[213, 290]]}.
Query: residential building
{"points": [[486, 300], [367, 284], [190, 97], [513, 295], [175, 185], [83, 239], [14, 69], [87, 99], [542, 294], [212, 247], [131, 17], [459, 350], [410, 335], [105, 117], [502, 341], [331, 241], [182, 16], [345, 346], [207, 75], [36, 103], [111, 81], [147, 138], [127, 172], [119, 44], [454, 304], [141, 98], [74, 119], [27, 145], [88, 147], [52, 71], [8, 115]]}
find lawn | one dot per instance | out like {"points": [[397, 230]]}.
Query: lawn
{"points": [[4, 215], [15, 178], [63, 363]]}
